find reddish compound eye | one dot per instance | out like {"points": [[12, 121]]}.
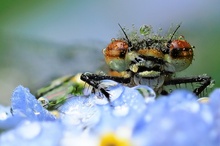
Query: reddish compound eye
{"points": [[180, 54], [115, 55]]}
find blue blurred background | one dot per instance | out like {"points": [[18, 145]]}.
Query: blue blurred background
{"points": [[41, 40]]}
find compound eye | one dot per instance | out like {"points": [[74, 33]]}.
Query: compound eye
{"points": [[115, 55], [180, 54]]}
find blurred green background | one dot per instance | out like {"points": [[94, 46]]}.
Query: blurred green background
{"points": [[41, 40]]}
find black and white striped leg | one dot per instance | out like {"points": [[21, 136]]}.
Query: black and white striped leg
{"points": [[204, 81]]}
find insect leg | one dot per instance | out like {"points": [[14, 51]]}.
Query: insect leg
{"points": [[93, 80], [52, 87], [204, 81], [90, 76]]}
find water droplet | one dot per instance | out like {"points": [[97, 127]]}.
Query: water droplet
{"points": [[145, 30], [114, 89], [122, 110], [113, 39], [207, 115], [79, 111], [44, 101], [181, 37], [166, 123], [203, 100], [36, 113], [29, 130], [147, 92]]}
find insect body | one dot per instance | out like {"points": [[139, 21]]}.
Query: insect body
{"points": [[151, 61], [59, 90]]}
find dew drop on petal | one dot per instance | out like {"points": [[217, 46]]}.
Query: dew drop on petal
{"points": [[207, 116], [100, 100], [114, 89], [122, 110], [44, 102], [133, 99], [166, 124], [26, 105], [29, 130], [36, 113], [203, 100], [79, 111], [147, 92]]}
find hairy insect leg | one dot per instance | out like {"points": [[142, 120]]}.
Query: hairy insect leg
{"points": [[57, 85], [90, 76], [204, 81], [94, 81]]}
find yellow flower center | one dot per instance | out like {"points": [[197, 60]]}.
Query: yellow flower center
{"points": [[110, 139]]}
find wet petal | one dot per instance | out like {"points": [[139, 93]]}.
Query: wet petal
{"points": [[24, 104]]}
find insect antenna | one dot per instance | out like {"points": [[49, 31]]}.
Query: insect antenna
{"points": [[126, 36], [166, 49], [170, 40]]}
